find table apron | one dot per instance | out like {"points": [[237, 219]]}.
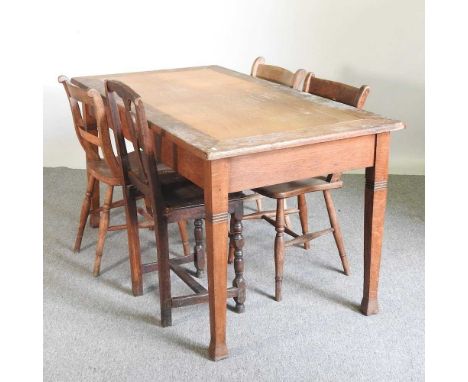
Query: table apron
{"points": [[277, 166]]}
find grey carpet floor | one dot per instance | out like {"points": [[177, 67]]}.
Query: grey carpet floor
{"points": [[95, 330]]}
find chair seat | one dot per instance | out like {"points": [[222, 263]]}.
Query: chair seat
{"points": [[180, 194], [298, 187], [102, 172]]}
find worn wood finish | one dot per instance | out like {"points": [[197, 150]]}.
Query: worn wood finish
{"points": [[320, 147], [172, 198], [247, 116]]}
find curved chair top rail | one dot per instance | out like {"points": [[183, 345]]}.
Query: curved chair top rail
{"points": [[91, 125], [277, 74]]}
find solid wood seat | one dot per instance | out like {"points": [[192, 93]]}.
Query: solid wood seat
{"points": [[102, 165], [180, 195], [290, 189], [172, 198], [341, 93]]}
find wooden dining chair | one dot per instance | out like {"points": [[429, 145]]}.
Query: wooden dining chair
{"points": [[341, 93], [92, 130], [283, 77], [172, 198], [277, 74]]}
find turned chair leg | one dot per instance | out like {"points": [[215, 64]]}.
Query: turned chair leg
{"points": [[231, 240], [303, 216], [184, 236], [85, 207], [103, 226], [279, 249], [199, 249], [336, 231], [287, 219], [238, 244]]}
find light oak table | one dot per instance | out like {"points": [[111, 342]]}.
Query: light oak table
{"points": [[228, 132]]}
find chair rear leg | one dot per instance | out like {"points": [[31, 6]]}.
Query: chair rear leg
{"points": [[279, 249], [149, 209], [303, 216], [129, 193], [287, 219], [238, 244], [336, 231], [85, 207], [199, 249], [164, 271], [103, 226], [259, 205], [184, 236]]}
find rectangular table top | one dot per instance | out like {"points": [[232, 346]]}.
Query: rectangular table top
{"points": [[218, 113]]}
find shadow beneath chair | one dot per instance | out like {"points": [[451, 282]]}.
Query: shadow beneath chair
{"points": [[326, 295], [150, 288], [88, 300], [173, 338], [82, 269], [262, 292], [329, 268], [86, 247], [322, 293], [93, 243], [116, 264]]}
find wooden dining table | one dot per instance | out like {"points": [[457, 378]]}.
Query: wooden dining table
{"points": [[227, 132]]}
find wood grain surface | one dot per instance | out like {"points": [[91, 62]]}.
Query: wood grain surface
{"points": [[221, 113]]}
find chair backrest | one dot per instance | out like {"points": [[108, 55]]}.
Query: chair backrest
{"points": [[277, 74], [336, 91], [127, 111], [339, 92], [90, 121]]}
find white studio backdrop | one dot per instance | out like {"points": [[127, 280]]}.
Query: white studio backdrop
{"points": [[379, 43]]}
